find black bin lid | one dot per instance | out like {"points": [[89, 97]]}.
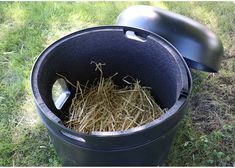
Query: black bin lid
{"points": [[200, 47]]}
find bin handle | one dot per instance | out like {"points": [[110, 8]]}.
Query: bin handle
{"points": [[60, 87], [135, 35], [68, 135]]}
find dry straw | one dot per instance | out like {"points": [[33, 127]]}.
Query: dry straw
{"points": [[105, 106]]}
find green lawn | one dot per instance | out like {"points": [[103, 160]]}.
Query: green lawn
{"points": [[206, 135]]}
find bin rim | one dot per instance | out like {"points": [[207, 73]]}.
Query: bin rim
{"points": [[179, 104]]}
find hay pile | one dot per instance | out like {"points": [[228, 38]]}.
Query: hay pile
{"points": [[106, 107]]}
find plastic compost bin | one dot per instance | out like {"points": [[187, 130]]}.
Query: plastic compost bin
{"points": [[146, 45], [147, 57]]}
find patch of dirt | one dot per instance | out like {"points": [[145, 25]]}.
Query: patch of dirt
{"points": [[213, 105]]}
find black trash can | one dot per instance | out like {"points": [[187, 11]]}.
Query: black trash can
{"points": [[128, 51]]}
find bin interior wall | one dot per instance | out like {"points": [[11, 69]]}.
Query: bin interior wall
{"points": [[148, 61]]}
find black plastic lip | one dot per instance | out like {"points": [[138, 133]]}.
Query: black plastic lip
{"points": [[180, 103], [200, 47]]}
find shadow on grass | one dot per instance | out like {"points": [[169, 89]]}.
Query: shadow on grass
{"points": [[21, 42], [207, 126]]}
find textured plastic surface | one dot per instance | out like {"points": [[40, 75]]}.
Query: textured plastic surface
{"points": [[128, 51], [200, 47]]}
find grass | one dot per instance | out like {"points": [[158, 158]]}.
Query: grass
{"points": [[206, 134]]}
